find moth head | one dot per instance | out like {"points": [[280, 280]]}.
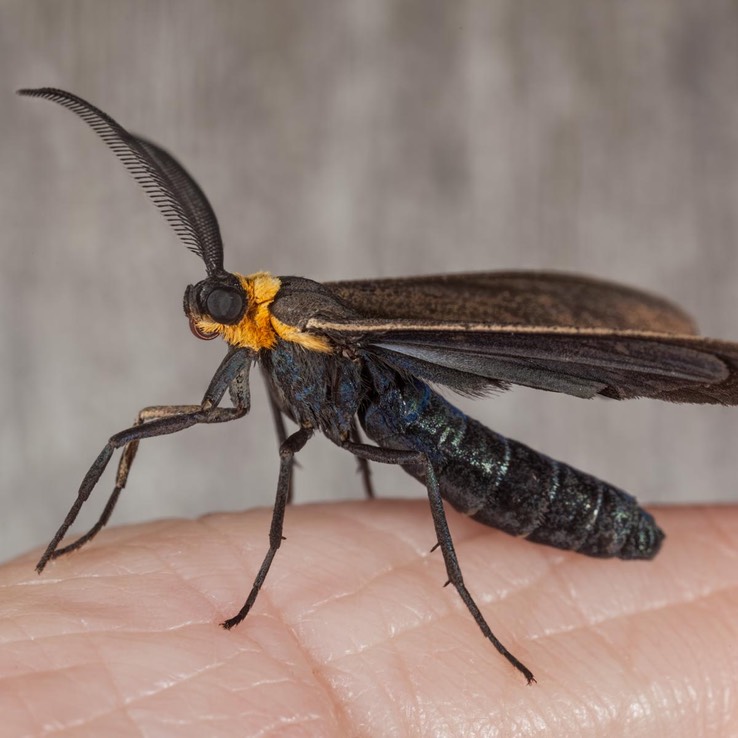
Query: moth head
{"points": [[214, 303]]}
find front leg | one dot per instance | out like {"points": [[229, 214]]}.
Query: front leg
{"points": [[151, 422]]}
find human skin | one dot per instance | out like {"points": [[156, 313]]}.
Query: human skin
{"points": [[353, 633]]}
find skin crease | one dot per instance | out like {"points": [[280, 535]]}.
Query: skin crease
{"points": [[353, 634]]}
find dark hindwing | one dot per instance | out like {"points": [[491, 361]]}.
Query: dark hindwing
{"points": [[562, 333]]}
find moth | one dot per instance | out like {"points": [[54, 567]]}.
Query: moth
{"points": [[367, 354]]}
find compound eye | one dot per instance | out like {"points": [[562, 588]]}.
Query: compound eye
{"points": [[225, 305]]}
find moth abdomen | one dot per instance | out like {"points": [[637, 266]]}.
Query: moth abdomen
{"points": [[587, 515], [506, 484]]}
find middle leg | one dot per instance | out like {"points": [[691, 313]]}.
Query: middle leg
{"points": [[287, 452]]}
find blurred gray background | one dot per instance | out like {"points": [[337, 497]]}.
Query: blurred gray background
{"points": [[355, 138]]}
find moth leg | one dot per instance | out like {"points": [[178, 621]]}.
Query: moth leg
{"points": [[281, 430], [443, 535], [287, 451], [278, 418], [160, 427], [124, 467], [151, 422], [364, 470], [354, 435]]}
